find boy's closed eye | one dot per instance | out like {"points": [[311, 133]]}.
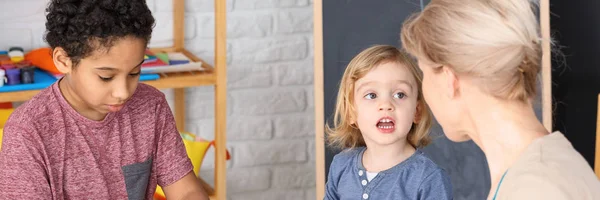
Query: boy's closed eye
{"points": [[109, 78], [106, 78]]}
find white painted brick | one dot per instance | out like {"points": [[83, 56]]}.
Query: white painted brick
{"points": [[311, 150], [249, 76], [206, 24], [192, 5], [311, 194], [310, 98], [16, 10], [200, 106], [249, 128], [294, 20], [295, 73], [268, 101], [272, 152], [248, 179], [200, 103], [259, 4], [271, 195], [245, 25], [269, 50], [238, 25], [291, 126], [162, 34], [16, 37], [294, 177], [164, 6], [38, 37], [152, 5], [204, 128], [201, 45]]}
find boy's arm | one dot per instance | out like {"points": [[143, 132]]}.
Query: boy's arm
{"points": [[174, 168], [188, 187], [436, 186], [22, 171]]}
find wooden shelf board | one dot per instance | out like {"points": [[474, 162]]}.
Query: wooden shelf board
{"points": [[166, 80]]}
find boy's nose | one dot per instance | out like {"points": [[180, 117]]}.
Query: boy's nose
{"points": [[121, 92]]}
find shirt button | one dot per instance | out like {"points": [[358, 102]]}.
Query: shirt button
{"points": [[365, 196], [364, 182], [360, 172]]}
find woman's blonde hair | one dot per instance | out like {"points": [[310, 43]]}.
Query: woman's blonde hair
{"points": [[496, 42], [344, 134]]}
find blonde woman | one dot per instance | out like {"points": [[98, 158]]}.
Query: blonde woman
{"points": [[381, 120], [480, 60]]}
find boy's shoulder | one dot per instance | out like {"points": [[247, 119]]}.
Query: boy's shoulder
{"points": [[40, 106], [146, 92]]}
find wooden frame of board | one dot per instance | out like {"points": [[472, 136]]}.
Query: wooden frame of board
{"points": [[597, 155], [319, 93]]}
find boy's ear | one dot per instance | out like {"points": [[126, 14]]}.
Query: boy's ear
{"points": [[61, 60]]}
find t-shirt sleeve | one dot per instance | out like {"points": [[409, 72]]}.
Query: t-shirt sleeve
{"points": [[436, 186], [172, 162], [22, 166]]}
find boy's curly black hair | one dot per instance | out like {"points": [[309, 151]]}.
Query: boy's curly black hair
{"points": [[82, 26]]}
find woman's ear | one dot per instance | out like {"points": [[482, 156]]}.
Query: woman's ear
{"points": [[61, 60], [450, 82]]}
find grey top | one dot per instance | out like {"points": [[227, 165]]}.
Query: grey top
{"points": [[417, 177]]}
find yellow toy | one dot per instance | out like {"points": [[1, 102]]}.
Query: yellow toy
{"points": [[4, 114]]}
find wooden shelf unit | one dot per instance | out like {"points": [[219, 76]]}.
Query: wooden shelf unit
{"points": [[216, 76]]}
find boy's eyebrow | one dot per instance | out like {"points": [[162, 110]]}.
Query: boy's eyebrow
{"points": [[114, 69]]}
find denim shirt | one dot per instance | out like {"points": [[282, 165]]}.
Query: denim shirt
{"points": [[417, 177]]}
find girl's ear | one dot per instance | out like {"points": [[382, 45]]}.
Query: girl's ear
{"points": [[417, 118], [61, 60]]}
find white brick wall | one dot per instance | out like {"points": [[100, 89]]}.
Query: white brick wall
{"points": [[270, 110]]}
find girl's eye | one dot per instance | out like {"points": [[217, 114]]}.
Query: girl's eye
{"points": [[400, 95], [370, 96], [105, 79]]}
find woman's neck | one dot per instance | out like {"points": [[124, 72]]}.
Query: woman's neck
{"points": [[377, 158], [503, 130]]}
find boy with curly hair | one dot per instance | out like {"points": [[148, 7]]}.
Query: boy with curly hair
{"points": [[96, 133]]}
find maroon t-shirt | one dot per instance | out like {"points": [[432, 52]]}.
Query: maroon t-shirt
{"points": [[50, 151]]}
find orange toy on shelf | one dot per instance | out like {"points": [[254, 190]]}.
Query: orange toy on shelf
{"points": [[42, 58]]}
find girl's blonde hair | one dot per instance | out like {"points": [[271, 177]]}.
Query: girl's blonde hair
{"points": [[344, 134], [496, 42]]}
